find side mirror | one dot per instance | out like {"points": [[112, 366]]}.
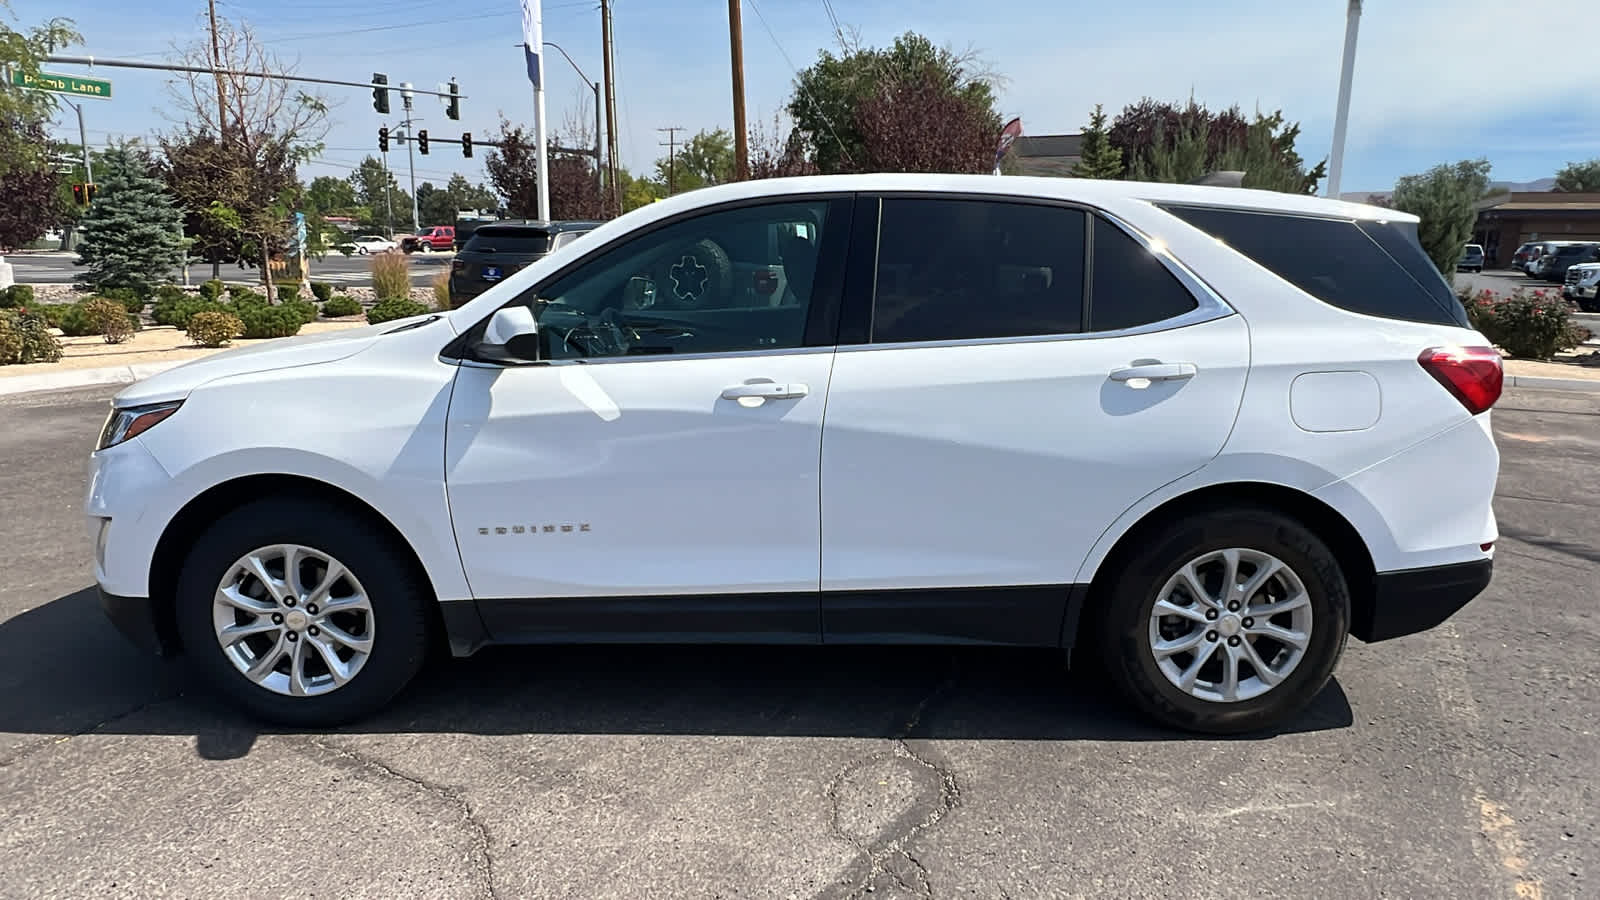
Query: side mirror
{"points": [[639, 293], [512, 335]]}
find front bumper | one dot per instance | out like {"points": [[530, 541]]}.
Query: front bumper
{"points": [[1412, 600], [136, 618]]}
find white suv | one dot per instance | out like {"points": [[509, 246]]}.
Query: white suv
{"points": [[1205, 433]]}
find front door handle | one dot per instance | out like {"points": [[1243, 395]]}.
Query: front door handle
{"points": [[1154, 372], [765, 390]]}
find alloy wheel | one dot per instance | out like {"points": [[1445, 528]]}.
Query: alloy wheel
{"points": [[293, 620], [1230, 625]]}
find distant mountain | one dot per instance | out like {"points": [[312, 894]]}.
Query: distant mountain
{"points": [[1382, 197]]}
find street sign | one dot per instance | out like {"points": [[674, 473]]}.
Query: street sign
{"points": [[63, 84]]}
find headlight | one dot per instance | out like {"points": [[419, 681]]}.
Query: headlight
{"points": [[132, 421]]}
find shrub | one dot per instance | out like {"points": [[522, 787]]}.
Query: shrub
{"points": [[26, 338], [322, 290], [50, 312], [178, 313], [132, 299], [235, 291], [1533, 325], [214, 328], [391, 275], [16, 295], [169, 293], [108, 318], [263, 321], [305, 310], [211, 290], [288, 292], [395, 308], [74, 323], [441, 290], [342, 305]]}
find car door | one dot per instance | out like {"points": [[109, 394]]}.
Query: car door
{"points": [[656, 469], [1028, 373]]}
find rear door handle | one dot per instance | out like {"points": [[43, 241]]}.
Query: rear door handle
{"points": [[765, 390], [1155, 372]]}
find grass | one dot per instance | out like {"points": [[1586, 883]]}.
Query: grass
{"points": [[391, 275]]}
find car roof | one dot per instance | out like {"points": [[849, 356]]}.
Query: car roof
{"points": [[539, 225]]}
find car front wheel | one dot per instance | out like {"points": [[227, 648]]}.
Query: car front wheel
{"points": [[298, 613], [1226, 623]]}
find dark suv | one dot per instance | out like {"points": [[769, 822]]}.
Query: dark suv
{"points": [[497, 249], [1565, 257]]}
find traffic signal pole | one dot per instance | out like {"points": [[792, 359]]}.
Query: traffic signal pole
{"points": [[83, 139], [411, 157]]}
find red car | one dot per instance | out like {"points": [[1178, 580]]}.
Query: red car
{"points": [[438, 237]]}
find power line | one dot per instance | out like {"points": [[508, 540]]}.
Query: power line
{"points": [[800, 86]]}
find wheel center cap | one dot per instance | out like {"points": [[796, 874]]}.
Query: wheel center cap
{"points": [[297, 620], [1228, 625]]}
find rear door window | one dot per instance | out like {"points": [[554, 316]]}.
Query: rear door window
{"points": [[1131, 286], [507, 240], [1373, 268]]}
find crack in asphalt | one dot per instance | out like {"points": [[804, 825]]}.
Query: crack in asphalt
{"points": [[448, 794], [28, 750], [879, 854]]}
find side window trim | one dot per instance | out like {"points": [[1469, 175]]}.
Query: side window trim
{"points": [[861, 289]]}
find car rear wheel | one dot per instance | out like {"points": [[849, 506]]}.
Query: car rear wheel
{"points": [[1226, 623], [297, 612]]}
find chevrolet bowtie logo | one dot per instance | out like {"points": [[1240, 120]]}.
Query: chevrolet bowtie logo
{"points": [[535, 529]]}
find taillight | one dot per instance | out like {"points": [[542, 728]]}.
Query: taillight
{"points": [[457, 265], [1474, 375]]}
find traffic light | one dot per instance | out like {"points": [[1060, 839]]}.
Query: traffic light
{"points": [[452, 106], [383, 140], [466, 144], [422, 142], [380, 94], [83, 194]]}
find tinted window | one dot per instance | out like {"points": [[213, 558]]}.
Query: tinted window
{"points": [[1377, 269], [508, 240], [740, 279], [1131, 286], [960, 269]]}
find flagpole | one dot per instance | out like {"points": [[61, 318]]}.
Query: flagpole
{"points": [[533, 36]]}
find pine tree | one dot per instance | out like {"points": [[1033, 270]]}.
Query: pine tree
{"points": [[131, 236], [1099, 159]]}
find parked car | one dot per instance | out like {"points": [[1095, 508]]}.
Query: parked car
{"points": [[1201, 463], [1553, 266], [438, 237], [1525, 254], [369, 243], [495, 251], [1540, 255], [1471, 259], [1582, 284]]}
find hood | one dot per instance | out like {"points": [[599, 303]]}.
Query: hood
{"points": [[279, 353], [1584, 267]]}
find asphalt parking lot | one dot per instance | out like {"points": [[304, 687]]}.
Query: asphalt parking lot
{"points": [[1464, 762]]}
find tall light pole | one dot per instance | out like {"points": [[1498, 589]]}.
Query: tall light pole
{"points": [[1341, 118], [533, 50], [411, 158], [599, 169]]}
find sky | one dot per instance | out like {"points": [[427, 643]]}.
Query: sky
{"points": [[1434, 81]]}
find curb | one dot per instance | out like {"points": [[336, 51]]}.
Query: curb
{"points": [[55, 381], [1553, 384]]}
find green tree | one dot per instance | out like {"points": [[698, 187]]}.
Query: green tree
{"points": [[376, 190], [331, 196], [1098, 159], [703, 160], [1446, 199], [22, 108], [131, 235], [1578, 177], [1167, 142], [829, 95], [469, 195]]}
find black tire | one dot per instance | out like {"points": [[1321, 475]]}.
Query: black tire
{"points": [[1124, 620], [399, 608]]}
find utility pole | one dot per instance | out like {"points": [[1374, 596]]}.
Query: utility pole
{"points": [[611, 102], [216, 63], [672, 156], [388, 198], [83, 139], [411, 155], [741, 145], [1341, 117]]}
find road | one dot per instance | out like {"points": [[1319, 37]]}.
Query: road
{"points": [[1457, 763], [54, 267]]}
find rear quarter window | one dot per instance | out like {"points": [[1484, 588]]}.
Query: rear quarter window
{"points": [[1372, 268]]}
